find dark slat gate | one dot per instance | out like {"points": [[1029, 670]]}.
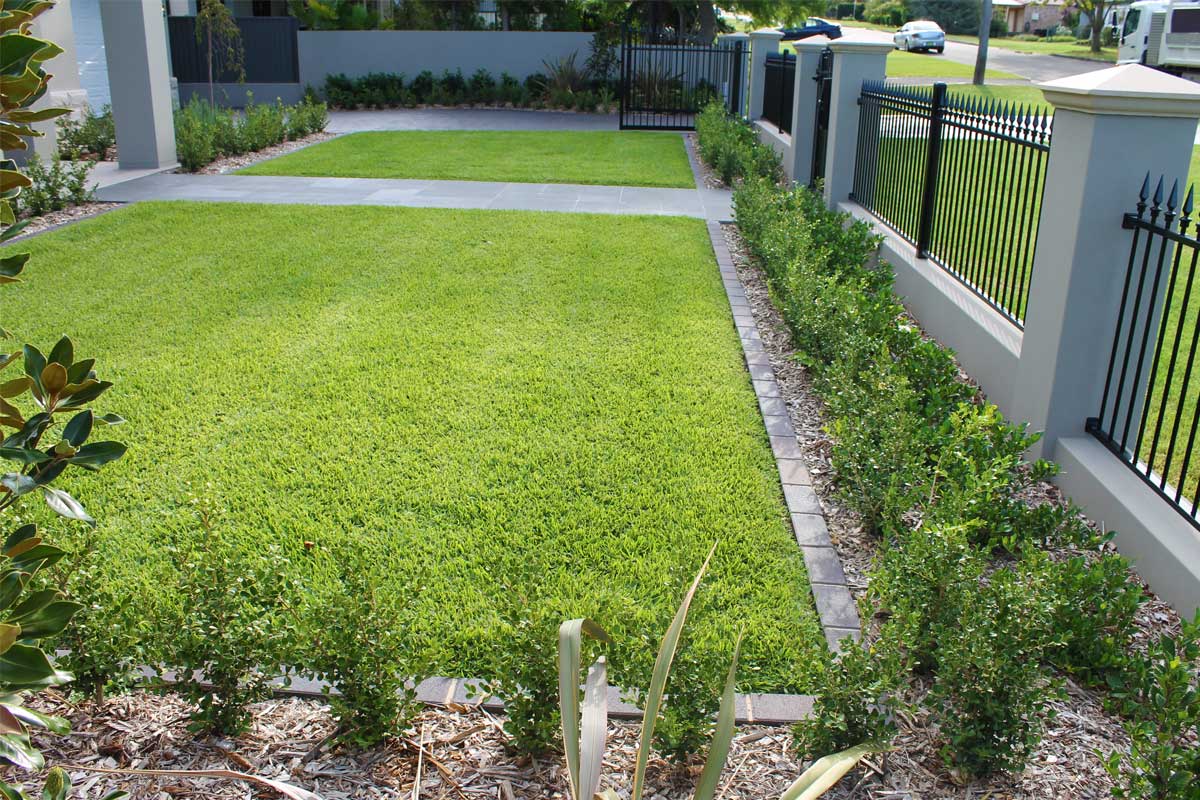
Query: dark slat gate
{"points": [[269, 44], [665, 81], [824, 79]]}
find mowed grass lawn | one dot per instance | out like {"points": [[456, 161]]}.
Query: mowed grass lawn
{"points": [[606, 158], [501, 407]]}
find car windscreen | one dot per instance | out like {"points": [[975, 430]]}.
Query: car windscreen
{"points": [[925, 26]]}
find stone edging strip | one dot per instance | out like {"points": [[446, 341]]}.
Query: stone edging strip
{"points": [[826, 578]]}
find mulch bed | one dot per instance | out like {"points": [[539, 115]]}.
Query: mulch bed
{"points": [[459, 752], [1066, 764], [232, 163], [68, 215]]}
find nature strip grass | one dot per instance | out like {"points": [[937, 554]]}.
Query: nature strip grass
{"points": [[604, 158], [502, 403]]}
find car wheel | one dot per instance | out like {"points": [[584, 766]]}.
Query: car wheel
{"points": [[941, 50], [906, 47]]}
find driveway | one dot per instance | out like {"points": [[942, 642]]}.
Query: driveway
{"points": [[1033, 67]]}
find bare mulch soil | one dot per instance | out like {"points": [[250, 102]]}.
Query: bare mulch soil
{"points": [[67, 215]]}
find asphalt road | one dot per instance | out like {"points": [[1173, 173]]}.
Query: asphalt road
{"points": [[1033, 67]]}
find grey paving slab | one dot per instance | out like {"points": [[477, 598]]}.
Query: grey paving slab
{"points": [[419, 193], [811, 530]]}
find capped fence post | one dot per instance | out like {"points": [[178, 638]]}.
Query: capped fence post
{"points": [[853, 63], [933, 159], [763, 42], [804, 106], [738, 71], [1111, 127]]}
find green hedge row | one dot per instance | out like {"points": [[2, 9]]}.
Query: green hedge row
{"points": [[204, 133], [987, 590]]}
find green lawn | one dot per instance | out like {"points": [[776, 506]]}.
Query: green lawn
{"points": [[1026, 96], [501, 407], [929, 65], [1042, 47], [607, 158]]}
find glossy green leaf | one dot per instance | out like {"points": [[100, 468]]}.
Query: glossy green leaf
{"points": [[11, 266], [16, 387], [97, 454], [36, 719], [17, 483], [111, 419], [63, 352], [9, 633], [25, 666], [12, 179], [39, 115], [79, 428], [35, 363], [17, 51], [18, 751], [22, 455]]}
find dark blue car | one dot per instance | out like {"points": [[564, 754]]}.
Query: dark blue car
{"points": [[813, 26]]}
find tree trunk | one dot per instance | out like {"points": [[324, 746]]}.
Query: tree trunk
{"points": [[708, 23], [211, 96], [1097, 24], [985, 34]]}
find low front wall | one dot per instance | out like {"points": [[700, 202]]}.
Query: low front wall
{"points": [[781, 143], [235, 95], [986, 344], [1163, 547], [356, 53]]}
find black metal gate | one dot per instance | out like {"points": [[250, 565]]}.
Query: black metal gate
{"points": [[664, 83], [824, 79]]}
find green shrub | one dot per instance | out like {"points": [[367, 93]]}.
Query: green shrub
{"points": [[359, 653], [56, 185], [227, 637], [991, 689], [1159, 690], [729, 146], [263, 124], [854, 697], [194, 137], [482, 87], [90, 135]]}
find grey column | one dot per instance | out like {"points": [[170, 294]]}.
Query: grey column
{"points": [[135, 43], [1092, 180], [762, 43], [804, 107], [853, 63]]}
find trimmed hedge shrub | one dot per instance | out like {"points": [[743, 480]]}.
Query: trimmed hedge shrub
{"points": [[204, 133], [728, 145], [964, 582]]}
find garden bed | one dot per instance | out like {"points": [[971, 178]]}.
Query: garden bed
{"points": [[606, 158]]}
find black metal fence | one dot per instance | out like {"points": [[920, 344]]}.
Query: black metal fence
{"points": [[1150, 410], [269, 43], [779, 87], [960, 178]]}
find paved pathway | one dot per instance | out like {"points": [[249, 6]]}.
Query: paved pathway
{"points": [[420, 193], [468, 119]]}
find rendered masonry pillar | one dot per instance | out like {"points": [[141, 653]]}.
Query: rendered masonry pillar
{"points": [[853, 63], [763, 43], [1092, 180], [139, 78], [65, 92], [804, 107]]}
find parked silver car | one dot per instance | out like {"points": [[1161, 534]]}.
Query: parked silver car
{"points": [[921, 34]]}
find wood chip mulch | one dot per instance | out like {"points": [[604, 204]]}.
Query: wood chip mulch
{"points": [[459, 750], [1066, 764], [54, 219]]}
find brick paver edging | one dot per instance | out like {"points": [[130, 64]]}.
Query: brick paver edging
{"points": [[826, 578]]}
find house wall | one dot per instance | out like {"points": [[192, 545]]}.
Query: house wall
{"points": [[356, 53]]}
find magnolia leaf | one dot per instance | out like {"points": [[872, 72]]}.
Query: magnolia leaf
{"points": [[97, 454], [111, 419], [54, 378], [17, 483], [15, 387], [17, 750], [11, 179], [49, 620], [25, 666], [9, 358], [63, 352], [9, 633], [9, 723], [40, 115], [79, 428], [65, 505], [17, 51], [11, 266], [36, 719], [23, 455]]}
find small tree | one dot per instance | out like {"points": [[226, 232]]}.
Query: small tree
{"points": [[1095, 9], [218, 31]]}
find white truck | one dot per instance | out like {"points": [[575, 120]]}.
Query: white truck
{"points": [[1164, 34]]}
